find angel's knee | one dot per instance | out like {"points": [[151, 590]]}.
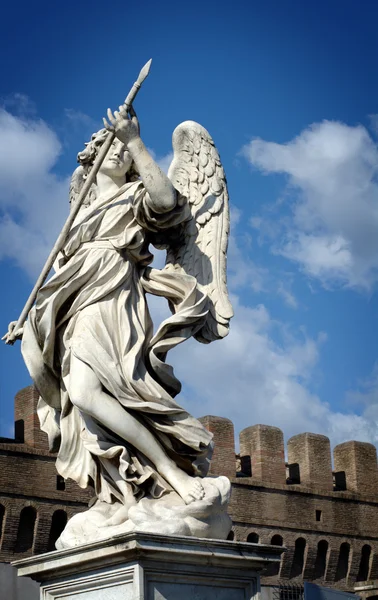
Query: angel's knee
{"points": [[81, 398], [84, 387]]}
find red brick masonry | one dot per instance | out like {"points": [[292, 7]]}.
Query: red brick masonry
{"points": [[328, 521]]}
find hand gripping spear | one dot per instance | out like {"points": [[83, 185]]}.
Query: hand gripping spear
{"points": [[11, 336]]}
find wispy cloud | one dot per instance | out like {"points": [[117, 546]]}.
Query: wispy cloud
{"points": [[19, 105], [245, 273], [74, 123], [284, 290], [33, 199], [264, 371], [332, 194], [163, 161], [249, 377]]}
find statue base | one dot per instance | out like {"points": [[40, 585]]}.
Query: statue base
{"points": [[167, 515], [146, 566]]}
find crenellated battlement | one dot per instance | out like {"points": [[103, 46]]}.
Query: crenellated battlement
{"points": [[309, 464], [262, 453], [327, 519]]}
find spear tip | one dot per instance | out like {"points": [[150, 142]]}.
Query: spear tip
{"points": [[144, 72]]}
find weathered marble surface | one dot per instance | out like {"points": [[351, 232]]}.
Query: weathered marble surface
{"points": [[169, 515], [152, 567], [107, 394]]}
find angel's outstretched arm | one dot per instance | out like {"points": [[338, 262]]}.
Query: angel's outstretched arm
{"points": [[162, 194]]}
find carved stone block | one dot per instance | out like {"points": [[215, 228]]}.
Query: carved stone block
{"points": [[151, 567]]}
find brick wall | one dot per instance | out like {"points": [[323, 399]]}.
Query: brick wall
{"points": [[266, 505], [27, 428], [310, 515], [264, 446], [312, 453], [28, 479], [223, 459]]}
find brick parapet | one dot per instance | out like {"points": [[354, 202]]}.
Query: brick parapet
{"points": [[265, 503], [27, 427], [223, 460], [309, 462], [358, 460], [264, 445], [312, 452]]}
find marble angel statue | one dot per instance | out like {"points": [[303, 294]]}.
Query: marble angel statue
{"points": [[106, 392]]}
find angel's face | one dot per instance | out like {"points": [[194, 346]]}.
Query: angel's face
{"points": [[117, 161]]}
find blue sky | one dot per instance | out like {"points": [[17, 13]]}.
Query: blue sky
{"points": [[289, 92]]}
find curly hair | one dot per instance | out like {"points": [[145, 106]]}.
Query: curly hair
{"points": [[86, 159]]}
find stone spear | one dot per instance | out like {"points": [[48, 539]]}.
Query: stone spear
{"points": [[11, 337]]}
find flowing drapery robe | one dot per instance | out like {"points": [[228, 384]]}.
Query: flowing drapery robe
{"points": [[95, 308]]}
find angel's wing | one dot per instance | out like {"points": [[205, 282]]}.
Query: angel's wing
{"points": [[77, 182], [197, 173]]}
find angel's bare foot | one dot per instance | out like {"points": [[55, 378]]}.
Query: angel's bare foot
{"points": [[189, 488]]}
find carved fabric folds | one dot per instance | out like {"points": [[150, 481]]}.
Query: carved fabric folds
{"points": [[95, 307]]}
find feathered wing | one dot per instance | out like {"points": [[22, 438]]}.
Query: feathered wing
{"points": [[197, 173], [76, 183]]}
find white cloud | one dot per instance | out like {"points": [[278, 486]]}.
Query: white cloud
{"points": [[78, 118], [33, 200], [284, 290], [367, 395], [249, 376], [373, 122], [165, 161], [245, 273], [75, 124], [19, 104], [242, 270], [333, 193]]}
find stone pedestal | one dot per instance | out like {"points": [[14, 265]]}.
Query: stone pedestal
{"points": [[151, 567]]}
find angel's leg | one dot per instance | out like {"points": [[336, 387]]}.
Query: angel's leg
{"points": [[85, 391]]}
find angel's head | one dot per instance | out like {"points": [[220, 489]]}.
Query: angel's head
{"points": [[118, 163], [118, 160]]}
